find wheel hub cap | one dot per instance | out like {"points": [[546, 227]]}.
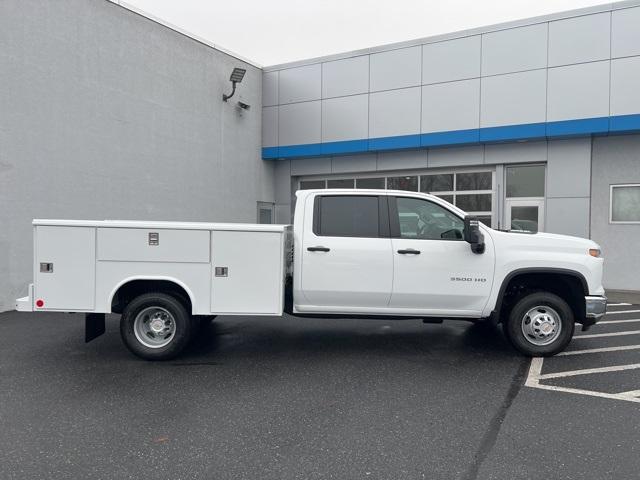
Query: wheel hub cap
{"points": [[154, 327], [157, 325], [541, 325]]}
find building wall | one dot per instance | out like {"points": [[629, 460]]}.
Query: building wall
{"points": [[107, 114], [560, 90], [574, 73], [616, 160], [567, 188]]}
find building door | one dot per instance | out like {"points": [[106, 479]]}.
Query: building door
{"points": [[525, 214], [524, 199]]}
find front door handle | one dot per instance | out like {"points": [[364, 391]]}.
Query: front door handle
{"points": [[409, 251], [318, 249]]}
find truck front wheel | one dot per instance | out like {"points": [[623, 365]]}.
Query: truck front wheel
{"points": [[155, 326], [540, 324]]}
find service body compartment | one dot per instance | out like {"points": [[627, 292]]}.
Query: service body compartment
{"points": [[248, 270], [81, 265], [153, 245], [65, 265]]}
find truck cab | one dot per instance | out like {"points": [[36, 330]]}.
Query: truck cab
{"points": [[387, 253], [399, 253]]}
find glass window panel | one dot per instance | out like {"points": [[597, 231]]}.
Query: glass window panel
{"points": [[349, 216], [525, 181], [474, 202], [436, 183], [421, 219], [486, 219], [265, 215], [370, 183], [348, 183], [446, 198], [625, 203], [311, 184], [524, 218], [403, 183], [474, 181]]}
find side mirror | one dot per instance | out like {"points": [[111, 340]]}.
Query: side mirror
{"points": [[473, 235]]}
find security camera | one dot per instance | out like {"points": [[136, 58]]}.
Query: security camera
{"points": [[244, 106]]}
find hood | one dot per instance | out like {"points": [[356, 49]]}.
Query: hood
{"points": [[543, 240]]}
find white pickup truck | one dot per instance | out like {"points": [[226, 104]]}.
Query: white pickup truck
{"points": [[350, 253]]}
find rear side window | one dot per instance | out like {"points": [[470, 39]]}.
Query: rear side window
{"points": [[347, 216]]}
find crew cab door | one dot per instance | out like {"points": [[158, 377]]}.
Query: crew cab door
{"points": [[435, 270], [347, 263]]}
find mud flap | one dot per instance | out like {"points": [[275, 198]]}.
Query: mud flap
{"points": [[94, 326]]}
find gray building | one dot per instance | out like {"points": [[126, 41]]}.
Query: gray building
{"points": [[108, 113], [530, 124]]}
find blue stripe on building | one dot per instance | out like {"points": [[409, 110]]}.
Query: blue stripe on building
{"points": [[507, 133]]}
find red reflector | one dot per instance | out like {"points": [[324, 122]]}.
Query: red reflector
{"points": [[39, 303]]}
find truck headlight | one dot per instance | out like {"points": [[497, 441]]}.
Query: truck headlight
{"points": [[595, 252]]}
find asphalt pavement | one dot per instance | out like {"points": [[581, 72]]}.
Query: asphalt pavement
{"points": [[287, 398]]}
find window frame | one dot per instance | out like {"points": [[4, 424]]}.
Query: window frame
{"points": [[383, 215], [620, 222], [394, 220]]}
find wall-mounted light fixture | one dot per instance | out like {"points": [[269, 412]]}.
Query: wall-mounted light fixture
{"points": [[236, 77]]}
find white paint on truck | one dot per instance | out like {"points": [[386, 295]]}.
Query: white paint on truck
{"points": [[91, 260], [349, 252]]}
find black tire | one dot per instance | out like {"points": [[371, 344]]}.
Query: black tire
{"points": [[181, 335], [513, 327]]}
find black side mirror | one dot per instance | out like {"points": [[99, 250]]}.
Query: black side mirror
{"points": [[473, 235]]}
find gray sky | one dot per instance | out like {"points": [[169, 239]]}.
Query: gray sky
{"points": [[277, 31]]}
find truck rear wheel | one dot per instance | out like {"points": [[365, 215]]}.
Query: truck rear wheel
{"points": [[155, 326], [540, 324]]}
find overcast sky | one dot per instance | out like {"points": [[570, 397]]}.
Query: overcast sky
{"points": [[269, 32]]}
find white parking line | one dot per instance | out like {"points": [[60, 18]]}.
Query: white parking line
{"points": [[618, 304], [535, 375], [620, 321], [599, 350], [631, 393], [533, 381], [588, 371], [612, 334], [534, 372]]}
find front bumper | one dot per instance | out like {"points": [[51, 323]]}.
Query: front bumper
{"points": [[595, 308]]}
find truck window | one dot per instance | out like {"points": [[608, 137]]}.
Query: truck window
{"points": [[347, 216], [422, 219]]}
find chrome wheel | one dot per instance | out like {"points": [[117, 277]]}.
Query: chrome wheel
{"points": [[541, 325], [154, 327]]}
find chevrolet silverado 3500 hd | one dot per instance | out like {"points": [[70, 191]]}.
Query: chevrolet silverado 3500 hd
{"points": [[350, 253]]}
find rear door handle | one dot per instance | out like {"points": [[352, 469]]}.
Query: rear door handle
{"points": [[409, 251], [318, 249]]}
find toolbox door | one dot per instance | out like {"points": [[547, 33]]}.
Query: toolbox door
{"points": [[65, 268]]}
